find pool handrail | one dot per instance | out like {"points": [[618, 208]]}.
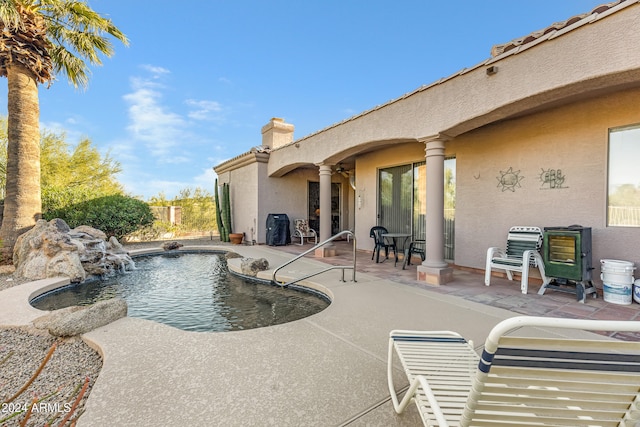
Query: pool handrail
{"points": [[333, 267]]}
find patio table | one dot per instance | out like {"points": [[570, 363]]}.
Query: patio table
{"points": [[395, 237]]}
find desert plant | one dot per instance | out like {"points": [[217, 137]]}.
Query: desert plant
{"points": [[223, 212], [226, 211], [218, 216]]}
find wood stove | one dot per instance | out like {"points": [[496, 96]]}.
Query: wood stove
{"points": [[566, 252]]}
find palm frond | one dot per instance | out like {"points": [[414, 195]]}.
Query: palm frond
{"points": [[75, 36], [64, 61], [10, 16]]}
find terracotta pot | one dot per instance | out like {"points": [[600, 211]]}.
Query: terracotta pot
{"points": [[236, 238]]}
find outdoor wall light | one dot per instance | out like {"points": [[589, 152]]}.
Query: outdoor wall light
{"points": [[492, 70]]}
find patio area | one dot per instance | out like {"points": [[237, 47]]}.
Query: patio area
{"points": [[469, 285]]}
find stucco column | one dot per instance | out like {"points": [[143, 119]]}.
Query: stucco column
{"points": [[325, 211], [435, 270]]}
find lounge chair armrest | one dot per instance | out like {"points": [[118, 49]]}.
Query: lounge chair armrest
{"points": [[532, 257], [495, 251]]}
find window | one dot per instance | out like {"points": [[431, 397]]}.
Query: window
{"points": [[623, 198]]}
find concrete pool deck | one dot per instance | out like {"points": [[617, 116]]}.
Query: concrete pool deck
{"points": [[325, 370]]}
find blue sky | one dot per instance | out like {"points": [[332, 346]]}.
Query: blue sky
{"points": [[200, 78]]}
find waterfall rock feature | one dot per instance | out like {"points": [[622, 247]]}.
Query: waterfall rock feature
{"points": [[52, 249]]}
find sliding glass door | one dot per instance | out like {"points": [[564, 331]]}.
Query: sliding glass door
{"points": [[396, 204], [402, 200]]}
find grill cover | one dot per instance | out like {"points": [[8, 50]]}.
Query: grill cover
{"points": [[278, 230]]}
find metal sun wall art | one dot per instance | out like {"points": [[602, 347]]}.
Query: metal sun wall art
{"points": [[509, 179]]}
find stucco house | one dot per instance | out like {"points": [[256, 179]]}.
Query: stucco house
{"points": [[545, 132]]}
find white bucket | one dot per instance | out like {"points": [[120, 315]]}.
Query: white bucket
{"points": [[636, 291], [617, 294], [617, 272]]}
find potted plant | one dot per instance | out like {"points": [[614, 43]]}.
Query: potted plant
{"points": [[236, 238]]}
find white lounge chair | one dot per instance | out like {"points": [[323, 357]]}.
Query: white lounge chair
{"points": [[522, 251], [521, 380]]}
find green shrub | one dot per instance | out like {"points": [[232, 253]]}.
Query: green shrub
{"points": [[115, 215]]}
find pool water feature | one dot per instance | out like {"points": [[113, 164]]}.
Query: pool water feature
{"points": [[193, 292]]}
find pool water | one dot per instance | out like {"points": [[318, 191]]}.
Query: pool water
{"points": [[193, 292]]}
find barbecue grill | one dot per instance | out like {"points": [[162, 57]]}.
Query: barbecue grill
{"points": [[566, 252]]}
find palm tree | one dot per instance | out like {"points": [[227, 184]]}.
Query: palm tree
{"points": [[39, 39]]}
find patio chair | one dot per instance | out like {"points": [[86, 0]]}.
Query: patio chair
{"points": [[415, 247], [523, 251], [303, 231], [380, 242], [521, 380]]}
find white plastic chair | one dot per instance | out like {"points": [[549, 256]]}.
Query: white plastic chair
{"points": [[522, 251]]}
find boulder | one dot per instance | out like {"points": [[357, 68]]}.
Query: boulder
{"points": [[55, 316], [47, 251], [72, 321], [52, 249], [231, 255], [115, 247], [92, 233], [7, 269], [251, 266], [170, 246]]}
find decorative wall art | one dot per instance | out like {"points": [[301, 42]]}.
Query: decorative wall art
{"points": [[509, 180], [552, 179]]}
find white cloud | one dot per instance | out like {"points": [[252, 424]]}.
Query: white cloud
{"points": [[204, 110], [151, 123], [165, 134], [155, 70]]}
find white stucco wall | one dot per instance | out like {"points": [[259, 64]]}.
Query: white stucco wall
{"points": [[243, 192], [573, 139]]}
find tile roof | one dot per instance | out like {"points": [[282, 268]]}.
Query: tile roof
{"points": [[557, 26]]}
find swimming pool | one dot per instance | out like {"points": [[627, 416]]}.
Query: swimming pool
{"points": [[193, 292]]}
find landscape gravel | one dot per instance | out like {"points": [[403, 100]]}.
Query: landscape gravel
{"points": [[56, 387]]}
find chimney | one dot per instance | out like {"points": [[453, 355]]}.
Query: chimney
{"points": [[277, 133]]}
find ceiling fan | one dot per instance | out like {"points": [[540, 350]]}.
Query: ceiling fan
{"points": [[342, 171], [351, 175]]}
